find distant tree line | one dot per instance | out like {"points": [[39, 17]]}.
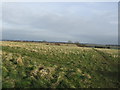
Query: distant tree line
{"points": [[98, 46], [70, 42]]}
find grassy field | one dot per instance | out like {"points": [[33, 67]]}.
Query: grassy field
{"points": [[41, 65]]}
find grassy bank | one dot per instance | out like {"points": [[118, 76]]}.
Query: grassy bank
{"points": [[35, 65]]}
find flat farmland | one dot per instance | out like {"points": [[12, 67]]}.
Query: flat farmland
{"points": [[42, 65]]}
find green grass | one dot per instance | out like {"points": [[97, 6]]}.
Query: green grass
{"points": [[37, 65]]}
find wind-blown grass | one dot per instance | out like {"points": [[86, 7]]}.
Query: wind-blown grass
{"points": [[37, 65]]}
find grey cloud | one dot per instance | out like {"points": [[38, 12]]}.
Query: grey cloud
{"points": [[44, 24]]}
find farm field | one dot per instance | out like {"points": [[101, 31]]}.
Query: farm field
{"points": [[41, 65]]}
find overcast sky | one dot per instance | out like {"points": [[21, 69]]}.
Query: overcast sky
{"points": [[84, 22]]}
